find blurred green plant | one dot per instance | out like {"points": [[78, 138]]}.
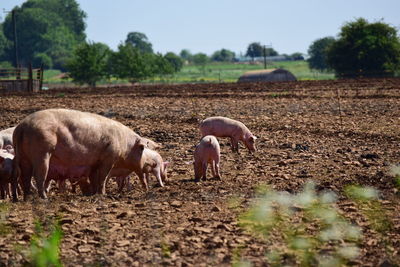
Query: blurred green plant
{"points": [[366, 199], [45, 249], [4, 228], [395, 172], [309, 227]]}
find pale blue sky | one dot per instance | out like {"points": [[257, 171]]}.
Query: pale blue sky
{"points": [[209, 25]]}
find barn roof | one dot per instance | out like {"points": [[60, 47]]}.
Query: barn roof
{"points": [[268, 75]]}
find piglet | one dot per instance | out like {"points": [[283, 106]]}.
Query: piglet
{"points": [[151, 162], [226, 127], [207, 151], [6, 137], [6, 167]]}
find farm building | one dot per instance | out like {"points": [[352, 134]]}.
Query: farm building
{"points": [[270, 75]]}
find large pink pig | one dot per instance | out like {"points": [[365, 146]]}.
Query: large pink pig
{"points": [[6, 137], [63, 138], [226, 127], [206, 152], [6, 165]]}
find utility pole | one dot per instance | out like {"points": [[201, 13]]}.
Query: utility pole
{"points": [[265, 57], [14, 20]]}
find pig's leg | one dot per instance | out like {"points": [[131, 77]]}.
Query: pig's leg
{"points": [[147, 177], [62, 185], [47, 184], [120, 183], [216, 165], [41, 167], [98, 177], [25, 176], [86, 187], [157, 174], [128, 183], [204, 170], [102, 176], [2, 191], [143, 181], [8, 191], [213, 168], [73, 186], [232, 144]]}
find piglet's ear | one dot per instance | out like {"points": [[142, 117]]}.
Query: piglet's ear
{"points": [[1, 159]]}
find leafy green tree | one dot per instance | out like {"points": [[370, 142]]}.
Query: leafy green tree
{"points": [[53, 27], [200, 59], [254, 50], [160, 65], [174, 60], [89, 63], [68, 11], [318, 53], [297, 56], [269, 52], [62, 42], [186, 55], [129, 63], [223, 55], [42, 58], [5, 46], [365, 49], [140, 41]]}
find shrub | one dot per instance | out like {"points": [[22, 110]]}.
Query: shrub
{"points": [[310, 229]]}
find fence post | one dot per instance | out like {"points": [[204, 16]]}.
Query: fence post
{"points": [[41, 77], [18, 74], [30, 78]]}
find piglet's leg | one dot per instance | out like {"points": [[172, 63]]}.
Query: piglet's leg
{"points": [[216, 165], [204, 171], [142, 179], [157, 174], [213, 168]]}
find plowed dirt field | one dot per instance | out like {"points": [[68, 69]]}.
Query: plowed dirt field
{"points": [[335, 133]]}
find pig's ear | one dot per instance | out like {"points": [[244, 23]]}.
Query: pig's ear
{"points": [[1, 159], [141, 144]]}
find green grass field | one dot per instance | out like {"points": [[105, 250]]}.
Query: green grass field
{"points": [[214, 73]]}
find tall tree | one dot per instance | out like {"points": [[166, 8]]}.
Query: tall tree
{"points": [[175, 60], [186, 55], [254, 50], [365, 49], [52, 27], [223, 55], [318, 51], [140, 41], [129, 63], [89, 63], [270, 52], [5, 47]]}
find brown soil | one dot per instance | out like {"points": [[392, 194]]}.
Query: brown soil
{"points": [[301, 138]]}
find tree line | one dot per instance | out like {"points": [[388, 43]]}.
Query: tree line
{"points": [[52, 33]]}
